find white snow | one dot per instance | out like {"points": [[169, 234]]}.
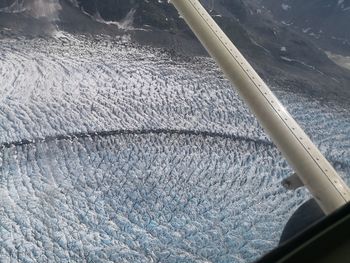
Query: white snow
{"points": [[47, 9], [306, 30], [343, 61], [285, 7], [126, 23]]}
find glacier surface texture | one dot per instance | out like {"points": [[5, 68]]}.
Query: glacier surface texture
{"points": [[112, 152]]}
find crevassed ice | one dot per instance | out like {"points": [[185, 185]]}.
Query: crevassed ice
{"points": [[140, 197]]}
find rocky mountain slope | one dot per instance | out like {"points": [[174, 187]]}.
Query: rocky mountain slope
{"points": [[283, 55], [324, 21]]}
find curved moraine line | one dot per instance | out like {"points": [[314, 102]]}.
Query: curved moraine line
{"points": [[134, 132]]}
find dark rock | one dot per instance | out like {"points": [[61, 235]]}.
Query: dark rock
{"points": [[324, 21]]}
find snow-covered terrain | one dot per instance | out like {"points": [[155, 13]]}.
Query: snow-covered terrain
{"points": [[114, 152]]}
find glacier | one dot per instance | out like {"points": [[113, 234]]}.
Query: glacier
{"points": [[115, 152]]}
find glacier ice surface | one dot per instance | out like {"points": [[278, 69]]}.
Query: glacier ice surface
{"points": [[210, 195]]}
